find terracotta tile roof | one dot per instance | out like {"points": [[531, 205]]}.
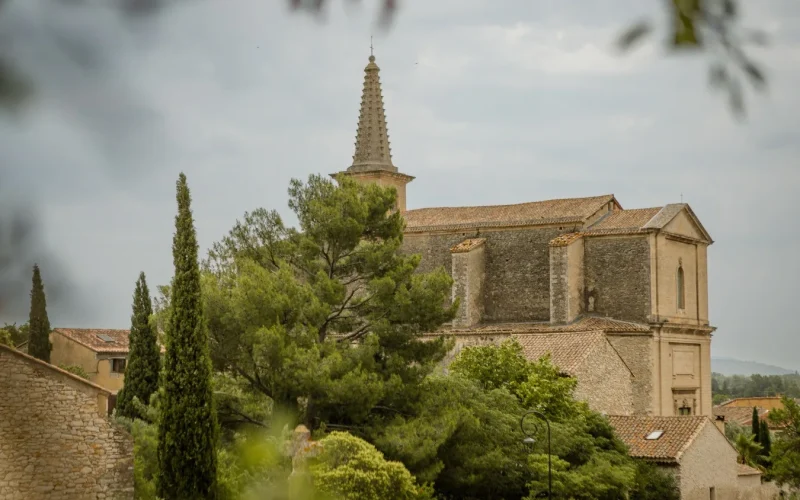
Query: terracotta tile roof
{"points": [[467, 245], [90, 338], [626, 219], [565, 239], [742, 415], [582, 324], [567, 350], [569, 210], [679, 433], [746, 470]]}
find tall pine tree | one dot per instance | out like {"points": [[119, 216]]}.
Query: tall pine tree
{"points": [[188, 427], [141, 375], [39, 345], [755, 425]]}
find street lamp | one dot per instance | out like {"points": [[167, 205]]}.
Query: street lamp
{"points": [[529, 440]]}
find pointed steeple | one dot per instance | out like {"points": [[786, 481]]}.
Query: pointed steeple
{"points": [[372, 160], [372, 136]]}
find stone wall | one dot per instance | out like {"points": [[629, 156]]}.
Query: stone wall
{"points": [[637, 352], [618, 276], [517, 285], [468, 273], [709, 462], [604, 382], [55, 441], [566, 281]]}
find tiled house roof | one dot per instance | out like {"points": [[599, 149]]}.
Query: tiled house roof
{"points": [[746, 470], [628, 220], [569, 210], [678, 435], [742, 415], [567, 350], [99, 341], [582, 324], [467, 245]]}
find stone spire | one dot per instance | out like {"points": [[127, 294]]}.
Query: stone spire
{"points": [[372, 136], [372, 161]]}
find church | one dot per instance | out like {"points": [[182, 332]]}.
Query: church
{"points": [[618, 297]]}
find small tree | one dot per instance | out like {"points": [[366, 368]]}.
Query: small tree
{"points": [[39, 346], [5, 338], [141, 377], [187, 433], [785, 456], [756, 426], [765, 439]]}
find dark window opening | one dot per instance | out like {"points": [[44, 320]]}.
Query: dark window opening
{"points": [[118, 365], [681, 290]]}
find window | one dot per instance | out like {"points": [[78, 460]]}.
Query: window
{"points": [[654, 435], [712, 493], [681, 289], [118, 365], [684, 410]]}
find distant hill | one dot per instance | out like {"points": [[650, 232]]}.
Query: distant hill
{"points": [[728, 366]]}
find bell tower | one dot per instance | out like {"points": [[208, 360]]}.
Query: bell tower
{"points": [[372, 160]]}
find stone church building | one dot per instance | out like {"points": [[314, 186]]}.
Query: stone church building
{"points": [[618, 297]]}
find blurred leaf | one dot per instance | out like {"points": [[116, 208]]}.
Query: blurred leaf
{"points": [[14, 88], [754, 73], [729, 8], [735, 97], [686, 16], [718, 75], [634, 34]]}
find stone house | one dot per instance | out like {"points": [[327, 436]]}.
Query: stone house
{"points": [[103, 354], [554, 266], [580, 351], [56, 442], [696, 451]]}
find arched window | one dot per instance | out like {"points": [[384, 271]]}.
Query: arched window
{"points": [[681, 289]]}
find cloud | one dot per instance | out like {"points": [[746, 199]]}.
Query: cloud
{"points": [[531, 96]]}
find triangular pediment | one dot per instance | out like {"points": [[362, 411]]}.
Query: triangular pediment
{"points": [[679, 219]]}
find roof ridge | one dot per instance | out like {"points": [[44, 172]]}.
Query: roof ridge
{"points": [[515, 204], [54, 368]]}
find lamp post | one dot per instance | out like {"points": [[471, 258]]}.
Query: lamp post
{"points": [[530, 440]]}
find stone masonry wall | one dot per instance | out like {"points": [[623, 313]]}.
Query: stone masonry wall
{"points": [[55, 442], [637, 352], [710, 462], [517, 285], [618, 276], [605, 383]]}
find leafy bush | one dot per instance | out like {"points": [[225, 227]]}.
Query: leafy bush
{"points": [[75, 370]]}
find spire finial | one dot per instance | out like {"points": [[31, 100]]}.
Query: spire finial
{"points": [[370, 46]]}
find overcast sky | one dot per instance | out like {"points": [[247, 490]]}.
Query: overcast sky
{"points": [[484, 105]]}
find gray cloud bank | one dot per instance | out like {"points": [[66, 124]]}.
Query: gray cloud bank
{"points": [[243, 97]]}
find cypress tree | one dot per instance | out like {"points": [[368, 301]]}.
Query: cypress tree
{"points": [[39, 345], [755, 425], [187, 433], [765, 439], [141, 375]]}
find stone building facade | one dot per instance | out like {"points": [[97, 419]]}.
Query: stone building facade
{"points": [[548, 267], [56, 442]]}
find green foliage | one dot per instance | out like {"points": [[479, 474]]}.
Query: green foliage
{"points": [[329, 315], [144, 361], [145, 453], [39, 346], [5, 338], [740, 386], [535, 384], [187, 433], [16, 335], [75, 370], [748, 449], [653, 483], [349, 468], [732, 431], [785, 453], [464, 439]]}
